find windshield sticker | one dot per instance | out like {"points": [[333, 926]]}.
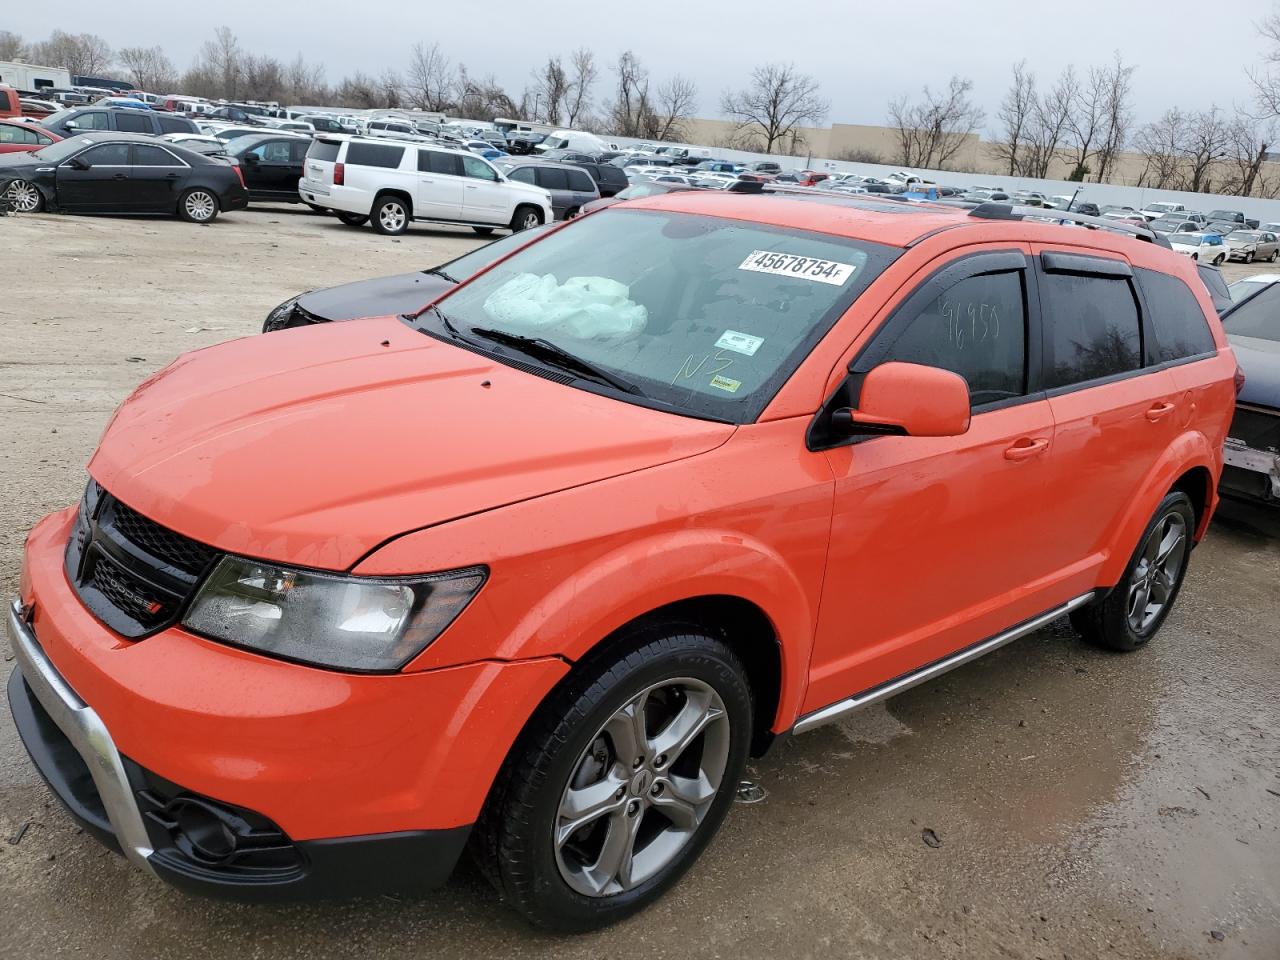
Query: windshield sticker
{"points": [[802, 268], [726, 383], [742, 343]]}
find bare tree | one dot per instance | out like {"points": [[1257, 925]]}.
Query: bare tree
{"points": [[932, 130], [218, 66], [1117, 85], [631, 110], [12, 46], [1100, 119], [481, 98], [305, 82], [1050, 122], [1016, 115], [261, 78], [672, 109], [551, 87], [775, 104], [149, 68], [582, 64], [1162, 144], [429, 79], [1247, 145], [1206, 140], [80, 54], [1266, 79]]}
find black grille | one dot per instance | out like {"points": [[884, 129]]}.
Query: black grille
{"points": [[131, 573]]}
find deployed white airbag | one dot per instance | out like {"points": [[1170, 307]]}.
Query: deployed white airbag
{"points": [[587, 308]]}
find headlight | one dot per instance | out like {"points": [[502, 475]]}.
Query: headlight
{"points": [[279, 318], [350, 623]]}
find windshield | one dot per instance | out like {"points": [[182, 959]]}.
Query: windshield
{"points": [[57, 152], [703, 315], [1243, 235], [1223, 215], [1257, 317], [1246, 288]]}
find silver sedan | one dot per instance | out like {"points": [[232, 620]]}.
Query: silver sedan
{"points": [[1251, 245]]}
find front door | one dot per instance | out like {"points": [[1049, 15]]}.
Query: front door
{"points": [[939, 543], [486, 198], [96, 179], [440, 186]]}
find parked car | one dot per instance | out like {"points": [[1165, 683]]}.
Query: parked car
{"points": [[68, 123], [766, 168], [1205, 247], [1248, 286], [1251, 245], [1174, 224], [392, 183], [538, 570], [20, 136], [397, 129], [392, 296], [1220, 227], [271, 164], [228, 133], [323, 124], [608, 178], [569, 156], [1162, 208], [236, 114], [572, 140], [638, 191], [1231, 216], [570, 186], [1252, 451], [122, 173], [210, 146]]}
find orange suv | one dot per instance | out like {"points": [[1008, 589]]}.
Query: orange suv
{"points": [[536, 570]]}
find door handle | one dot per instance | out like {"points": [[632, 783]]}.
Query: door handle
{"points": [[172, 176], [1026, 448], [120, 176], [1161, 409], [470, 187]]}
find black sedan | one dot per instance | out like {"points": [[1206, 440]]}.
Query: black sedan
{"points": [[1252, 451], [121, 173], [384, 296], [271, 164]]}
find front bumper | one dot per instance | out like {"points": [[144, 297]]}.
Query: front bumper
{"points": [[1250, 473], [368, 782]]}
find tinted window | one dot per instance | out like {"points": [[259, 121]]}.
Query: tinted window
{"points": [[133, 123], [1256, 317], [108, 154], [325, 150], [1176, 319], [273, 151], [976, 328], [477, 168], [433, 161], [552, 178], [93, 120], [1090, 327], [374, 155], [1218, 289], [174, 125], [298, 150], [148, 156], [14, 134], [578, 180], [524, 175]]}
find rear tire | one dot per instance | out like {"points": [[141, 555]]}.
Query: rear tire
{"points": [[354, 219], [483, 231], [390, 215], [526, 218], [1133, 611], [198, 205], [580, 832]]}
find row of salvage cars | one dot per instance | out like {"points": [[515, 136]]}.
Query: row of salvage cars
{"points": [[1249, 308]]}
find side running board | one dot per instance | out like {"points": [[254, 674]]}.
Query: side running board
{"points": [[842, 708]]}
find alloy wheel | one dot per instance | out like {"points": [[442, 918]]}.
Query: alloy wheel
{"points": [[1155, 575], [24, 196], [641, 788], [392, 217], [200, 205], [529, 222]]}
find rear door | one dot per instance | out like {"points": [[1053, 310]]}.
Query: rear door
{"points": [[554, 181], [1113, 415], [940, 542], [440, 185], [156, 176], [103, 186], [485, 198], [127, 122]]}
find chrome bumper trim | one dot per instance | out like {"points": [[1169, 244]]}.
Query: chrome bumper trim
{"points": [[841, 708], [1237, 453], [87, 733]]}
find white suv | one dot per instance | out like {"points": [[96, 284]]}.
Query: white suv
{"points": [[392, 183]]}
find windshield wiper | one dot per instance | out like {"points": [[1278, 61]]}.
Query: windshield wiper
{"points": [[552, 353], [442, 274]]}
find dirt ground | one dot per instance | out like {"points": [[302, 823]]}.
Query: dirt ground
{"points": [[1087, 804]]}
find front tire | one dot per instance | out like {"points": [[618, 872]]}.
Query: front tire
{"points": [[24, 197], [1275, 254], [526, 218], [1132, 612], [1248, 257], [620, 779], [390, 216], [1217, 261], [354, 219], [198, 206]]}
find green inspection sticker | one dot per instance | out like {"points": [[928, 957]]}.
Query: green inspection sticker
{"points": [[726, 383]]}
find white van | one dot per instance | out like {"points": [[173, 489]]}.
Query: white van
{"points": [[394, 182], [573, 140]]}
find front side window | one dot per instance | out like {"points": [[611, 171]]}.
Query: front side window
{"points": [[1090, 327], [703, 315], [523, 174], [275, 151], [477, 169], [92, 120], [107, 155], [976, 328], [579, 181]]}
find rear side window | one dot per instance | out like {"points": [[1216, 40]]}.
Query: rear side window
{"points": [[433, 161], [132, 123], [523, 174], [552, 178], [977, 328], [323, 150], [174, 125], [374, 155], [1090, 327], [145, 155], [578, 180], [1177, 321]]}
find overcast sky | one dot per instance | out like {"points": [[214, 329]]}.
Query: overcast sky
{"points": [[1188, 53]]}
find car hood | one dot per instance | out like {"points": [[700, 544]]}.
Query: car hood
{"points": [[381, 296], [314, 446], [1260, 361]]}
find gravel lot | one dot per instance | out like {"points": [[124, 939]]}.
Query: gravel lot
{"points": [[1088, 804]]}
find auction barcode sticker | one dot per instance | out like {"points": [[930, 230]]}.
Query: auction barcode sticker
{"points": [[802, 268]]}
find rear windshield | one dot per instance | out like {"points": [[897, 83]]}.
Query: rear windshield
{"points": [[704, 315], [374, 155], [326, 150]]}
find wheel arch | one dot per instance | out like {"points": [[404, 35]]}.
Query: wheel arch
{"points": [[392, 192]]}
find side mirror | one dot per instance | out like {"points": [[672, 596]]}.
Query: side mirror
{"points": [[71, 125], [250, 159], [79, 163], [908, 398]]}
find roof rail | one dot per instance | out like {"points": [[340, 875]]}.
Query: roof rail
{"points": [[991, 210]]}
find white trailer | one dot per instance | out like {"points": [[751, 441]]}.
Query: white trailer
{"points": [[31, 77]]}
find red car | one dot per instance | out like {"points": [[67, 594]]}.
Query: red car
{"points": [[19, 136]]}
